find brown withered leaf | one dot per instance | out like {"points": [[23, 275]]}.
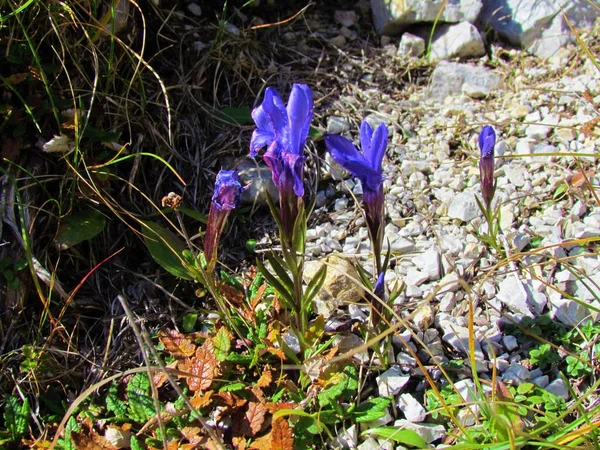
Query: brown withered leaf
{"points": [[89, 440], [281, 435], [201, 400], [234, 296], [589, 127], [177, 344], [159, 377], [255, 415], [580, 179], [265, 379], [239, 443], [203, 367], [258, 297], [17, 78], [192, 434], [262, 443]]}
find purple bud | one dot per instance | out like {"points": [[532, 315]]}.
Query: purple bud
{"points": [[226, 197], [379, 298], [228, 190], [487, 141]]}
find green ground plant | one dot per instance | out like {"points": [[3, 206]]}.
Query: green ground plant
{"points": [[236, 356]]}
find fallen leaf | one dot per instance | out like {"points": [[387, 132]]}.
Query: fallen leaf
{"points": [[17, 78], [261, 443], [177, 344], [203, 367], [255, 416], [58, 144], [588, 127], [192, 434], [265, 379], [580, 179], [89, 440], [118, 437], [281, 435], [201, 400], [239, 443]]}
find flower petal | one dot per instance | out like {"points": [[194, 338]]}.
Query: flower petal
{"points": [[378, 147], [346, 155], [271, 121], [487, 141], [366, 134], [299, 112], [260, 138], [294, 167]]}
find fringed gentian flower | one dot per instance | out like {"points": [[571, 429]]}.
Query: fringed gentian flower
{"points": [[487, 141], [226, 197], [366, 166], [283, 130]]}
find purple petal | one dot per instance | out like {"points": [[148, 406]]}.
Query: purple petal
{"points": [[300, 112], [228, 190], [272, 159], [487, 141], [271, 121], [378, 147], [346, 155], [260, 139], [366, 134], [295, 168]]}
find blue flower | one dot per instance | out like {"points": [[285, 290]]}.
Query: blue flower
{"points": [[228, 190], [226, 197], [366, 166], [283, 130], [487, 141]]}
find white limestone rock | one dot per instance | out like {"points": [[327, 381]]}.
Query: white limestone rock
{"points": [[460, 40]]}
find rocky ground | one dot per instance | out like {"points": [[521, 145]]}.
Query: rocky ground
{"points": [[545, 115]]}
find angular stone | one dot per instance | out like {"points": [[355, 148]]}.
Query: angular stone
{"points": [[412, 409], [394, 16], [340, 286], [464, 207], [460, 40], [391, 382], [428, 432], [448, 78], [411, 45]]}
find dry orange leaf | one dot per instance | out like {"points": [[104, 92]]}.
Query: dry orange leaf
{"points": [[261, 443], [89, 440], [203, 367], [281, 435], [239, 443], [579, 179], [177, 344], [202, 400], [255, 416], [265, 379]]}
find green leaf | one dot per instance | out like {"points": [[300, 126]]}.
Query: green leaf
{"points": [[233, 387], [135, 443], [404, 437], [524, 388], [139, 384], [273, 281], [165, 248], [235, 116], [16, 416], [192, 213], [222, 344], [315, 133], [371, 410], [315, 284], [189, 322], [141, 407], [79, 227], [277, 265], [114, 403]]}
